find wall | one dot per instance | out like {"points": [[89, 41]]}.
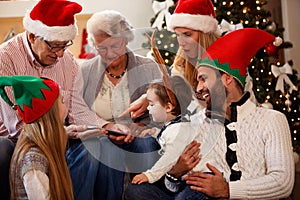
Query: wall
{"points": [[291, 23], [138, 12]]}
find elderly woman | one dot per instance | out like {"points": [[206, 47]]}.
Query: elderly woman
{"points": [[112, 80]]}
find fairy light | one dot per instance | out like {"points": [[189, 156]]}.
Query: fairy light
{"points": [[161, 35], [224, 3], [165, 46], [262, 71], [270, 73], [173, 35], [172, 45], [257, 89], [268, 97], [166, 61], [257, 22], [267, 89], [252, 66], [246, 22], [258, 8], [257, 79], [231, 3], [158, 42], [257, 2], [277, 102], [245, 10], [269, 83], [242, 3], [264, 20], [167, 54], [228, 13]]}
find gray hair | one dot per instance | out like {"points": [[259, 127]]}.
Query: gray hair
{"points": [[109, 22]]}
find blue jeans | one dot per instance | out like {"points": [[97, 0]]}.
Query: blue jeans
{"points": [[97, 166], [188, 194], [6, 150], [147, 191], [83, 169]]}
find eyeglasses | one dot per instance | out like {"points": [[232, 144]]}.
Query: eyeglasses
{"points": [[56, 48], [115, 47]]}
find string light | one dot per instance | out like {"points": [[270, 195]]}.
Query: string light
{"points": [[242, 3], [245, 10], [161, 35], [257, 8], [228, 13]]}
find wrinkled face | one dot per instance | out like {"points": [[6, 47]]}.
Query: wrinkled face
{"points": [[47, 53], [211, 89], [188, 40], [62, 108], [111, 49], [156, 110]]}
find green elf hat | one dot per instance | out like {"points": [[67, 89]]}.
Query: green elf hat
{"points": [[33, 96], [232, 53]]}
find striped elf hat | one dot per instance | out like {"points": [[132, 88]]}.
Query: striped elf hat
{"points": [[232, 53], [33, 96]]}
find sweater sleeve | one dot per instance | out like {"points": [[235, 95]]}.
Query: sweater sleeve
{"points": [[36, 184], [175, 138], [278, 179]]}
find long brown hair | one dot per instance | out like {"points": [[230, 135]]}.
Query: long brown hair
{"points": [[48, 135], [185, 66]]}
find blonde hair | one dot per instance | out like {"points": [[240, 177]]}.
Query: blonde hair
{"points": [[48, 135], [184, 65]]}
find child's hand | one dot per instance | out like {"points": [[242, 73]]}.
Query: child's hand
{"points": [[145, 132], [140, 178]]}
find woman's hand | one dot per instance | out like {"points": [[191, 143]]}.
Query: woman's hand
{"points": [[136, 108], [82, 132], [119, 139]]}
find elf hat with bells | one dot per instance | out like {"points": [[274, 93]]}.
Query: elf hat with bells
{"points": [[33, 96], [233, 52]]}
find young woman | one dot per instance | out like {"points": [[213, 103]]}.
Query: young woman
{"points": [[38, 167]]}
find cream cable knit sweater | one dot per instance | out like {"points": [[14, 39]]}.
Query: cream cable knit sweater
{"points": [[264, 153]]}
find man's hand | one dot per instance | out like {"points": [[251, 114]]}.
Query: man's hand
{"points": [[187, 160], [212, 185], [136, 108]]}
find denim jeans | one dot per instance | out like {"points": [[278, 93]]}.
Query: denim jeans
{"points": [[83, 169], [6, 151], [147, 191], [188, 194], [97, 166]]}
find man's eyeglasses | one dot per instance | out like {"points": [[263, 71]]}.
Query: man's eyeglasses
{"points": [[56, 48]]}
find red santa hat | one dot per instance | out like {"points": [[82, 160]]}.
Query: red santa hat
{"points": [[194, 14], [33, 96], [53, 20], [232, 53]]}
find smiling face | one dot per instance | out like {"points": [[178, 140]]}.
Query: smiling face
{"points": [[188, 40], [111, 49], [211, 89]]}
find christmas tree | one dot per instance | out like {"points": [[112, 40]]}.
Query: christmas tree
{"points": [[275, 83]]}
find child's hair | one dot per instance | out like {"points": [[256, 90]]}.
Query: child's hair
{"points": [[180, 88], [48, 134]]}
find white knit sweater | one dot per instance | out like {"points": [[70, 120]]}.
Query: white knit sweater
{"points": [[263, 148]]}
